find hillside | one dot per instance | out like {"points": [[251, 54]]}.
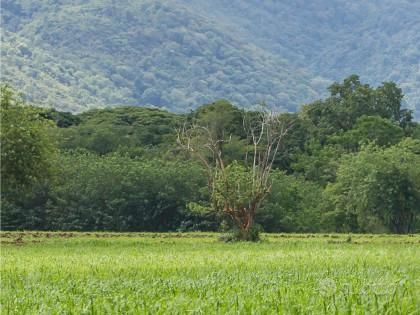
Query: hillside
{"points": [[88, 55], [182, 53], [376, 39]]}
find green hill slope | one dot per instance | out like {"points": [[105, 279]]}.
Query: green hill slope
{"points": [[179, 54], [376, 39], [139, 53]]}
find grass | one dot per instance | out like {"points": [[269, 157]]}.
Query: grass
{"points": [[144, 273]]}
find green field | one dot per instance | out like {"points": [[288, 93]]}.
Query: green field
{"points": [[144, 273]]}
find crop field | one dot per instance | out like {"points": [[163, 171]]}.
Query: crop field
{"points": [[194, 273]]}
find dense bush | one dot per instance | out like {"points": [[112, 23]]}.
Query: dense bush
{"points": [[114, 192], [292, 205]]}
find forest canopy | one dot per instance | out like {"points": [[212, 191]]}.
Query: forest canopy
{"points": [[350, 163]]}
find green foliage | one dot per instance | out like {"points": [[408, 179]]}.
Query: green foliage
{"points": [[237, 235], [369, 129], [292, 206], [372, 38], [125, 128], [346, 165], [318, 163], [113, 193], [82, 55], [294, 142], [27, 144], [223, 121], [234, 185], [122, 194], [352, 115], [379, 188], [220, 117], [61, 119], [351, 100]]}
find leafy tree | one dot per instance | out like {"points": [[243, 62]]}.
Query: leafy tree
{"points": [[27, 145], [379, 187], [413, 130], [223, 121], [318, 163], [104, 131], [28, 153], [292, 206], [351, 100], [388, 104], [369, 128], [220, 117]]}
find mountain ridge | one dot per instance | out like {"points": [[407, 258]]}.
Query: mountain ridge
{"points": [[180, 54]]}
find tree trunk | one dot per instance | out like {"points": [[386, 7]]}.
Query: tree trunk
{"points": [[245, 227]]}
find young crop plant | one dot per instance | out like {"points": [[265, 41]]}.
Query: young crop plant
{"points": [[237, 186]]}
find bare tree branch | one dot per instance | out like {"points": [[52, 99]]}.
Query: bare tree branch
{"points": [[264, 131]]}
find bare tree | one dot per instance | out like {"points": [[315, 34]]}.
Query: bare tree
{"points": [[237, 189]]}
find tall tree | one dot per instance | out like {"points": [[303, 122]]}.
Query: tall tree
{"points": [[237, 189], [369, 128], [27, 143], [351, 100], [28, 154], [378, 187]]}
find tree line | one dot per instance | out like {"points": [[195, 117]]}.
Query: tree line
{"points": [[348, 163]]}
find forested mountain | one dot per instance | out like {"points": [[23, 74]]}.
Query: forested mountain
{"points": [[89, 54], [182, 53]]}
